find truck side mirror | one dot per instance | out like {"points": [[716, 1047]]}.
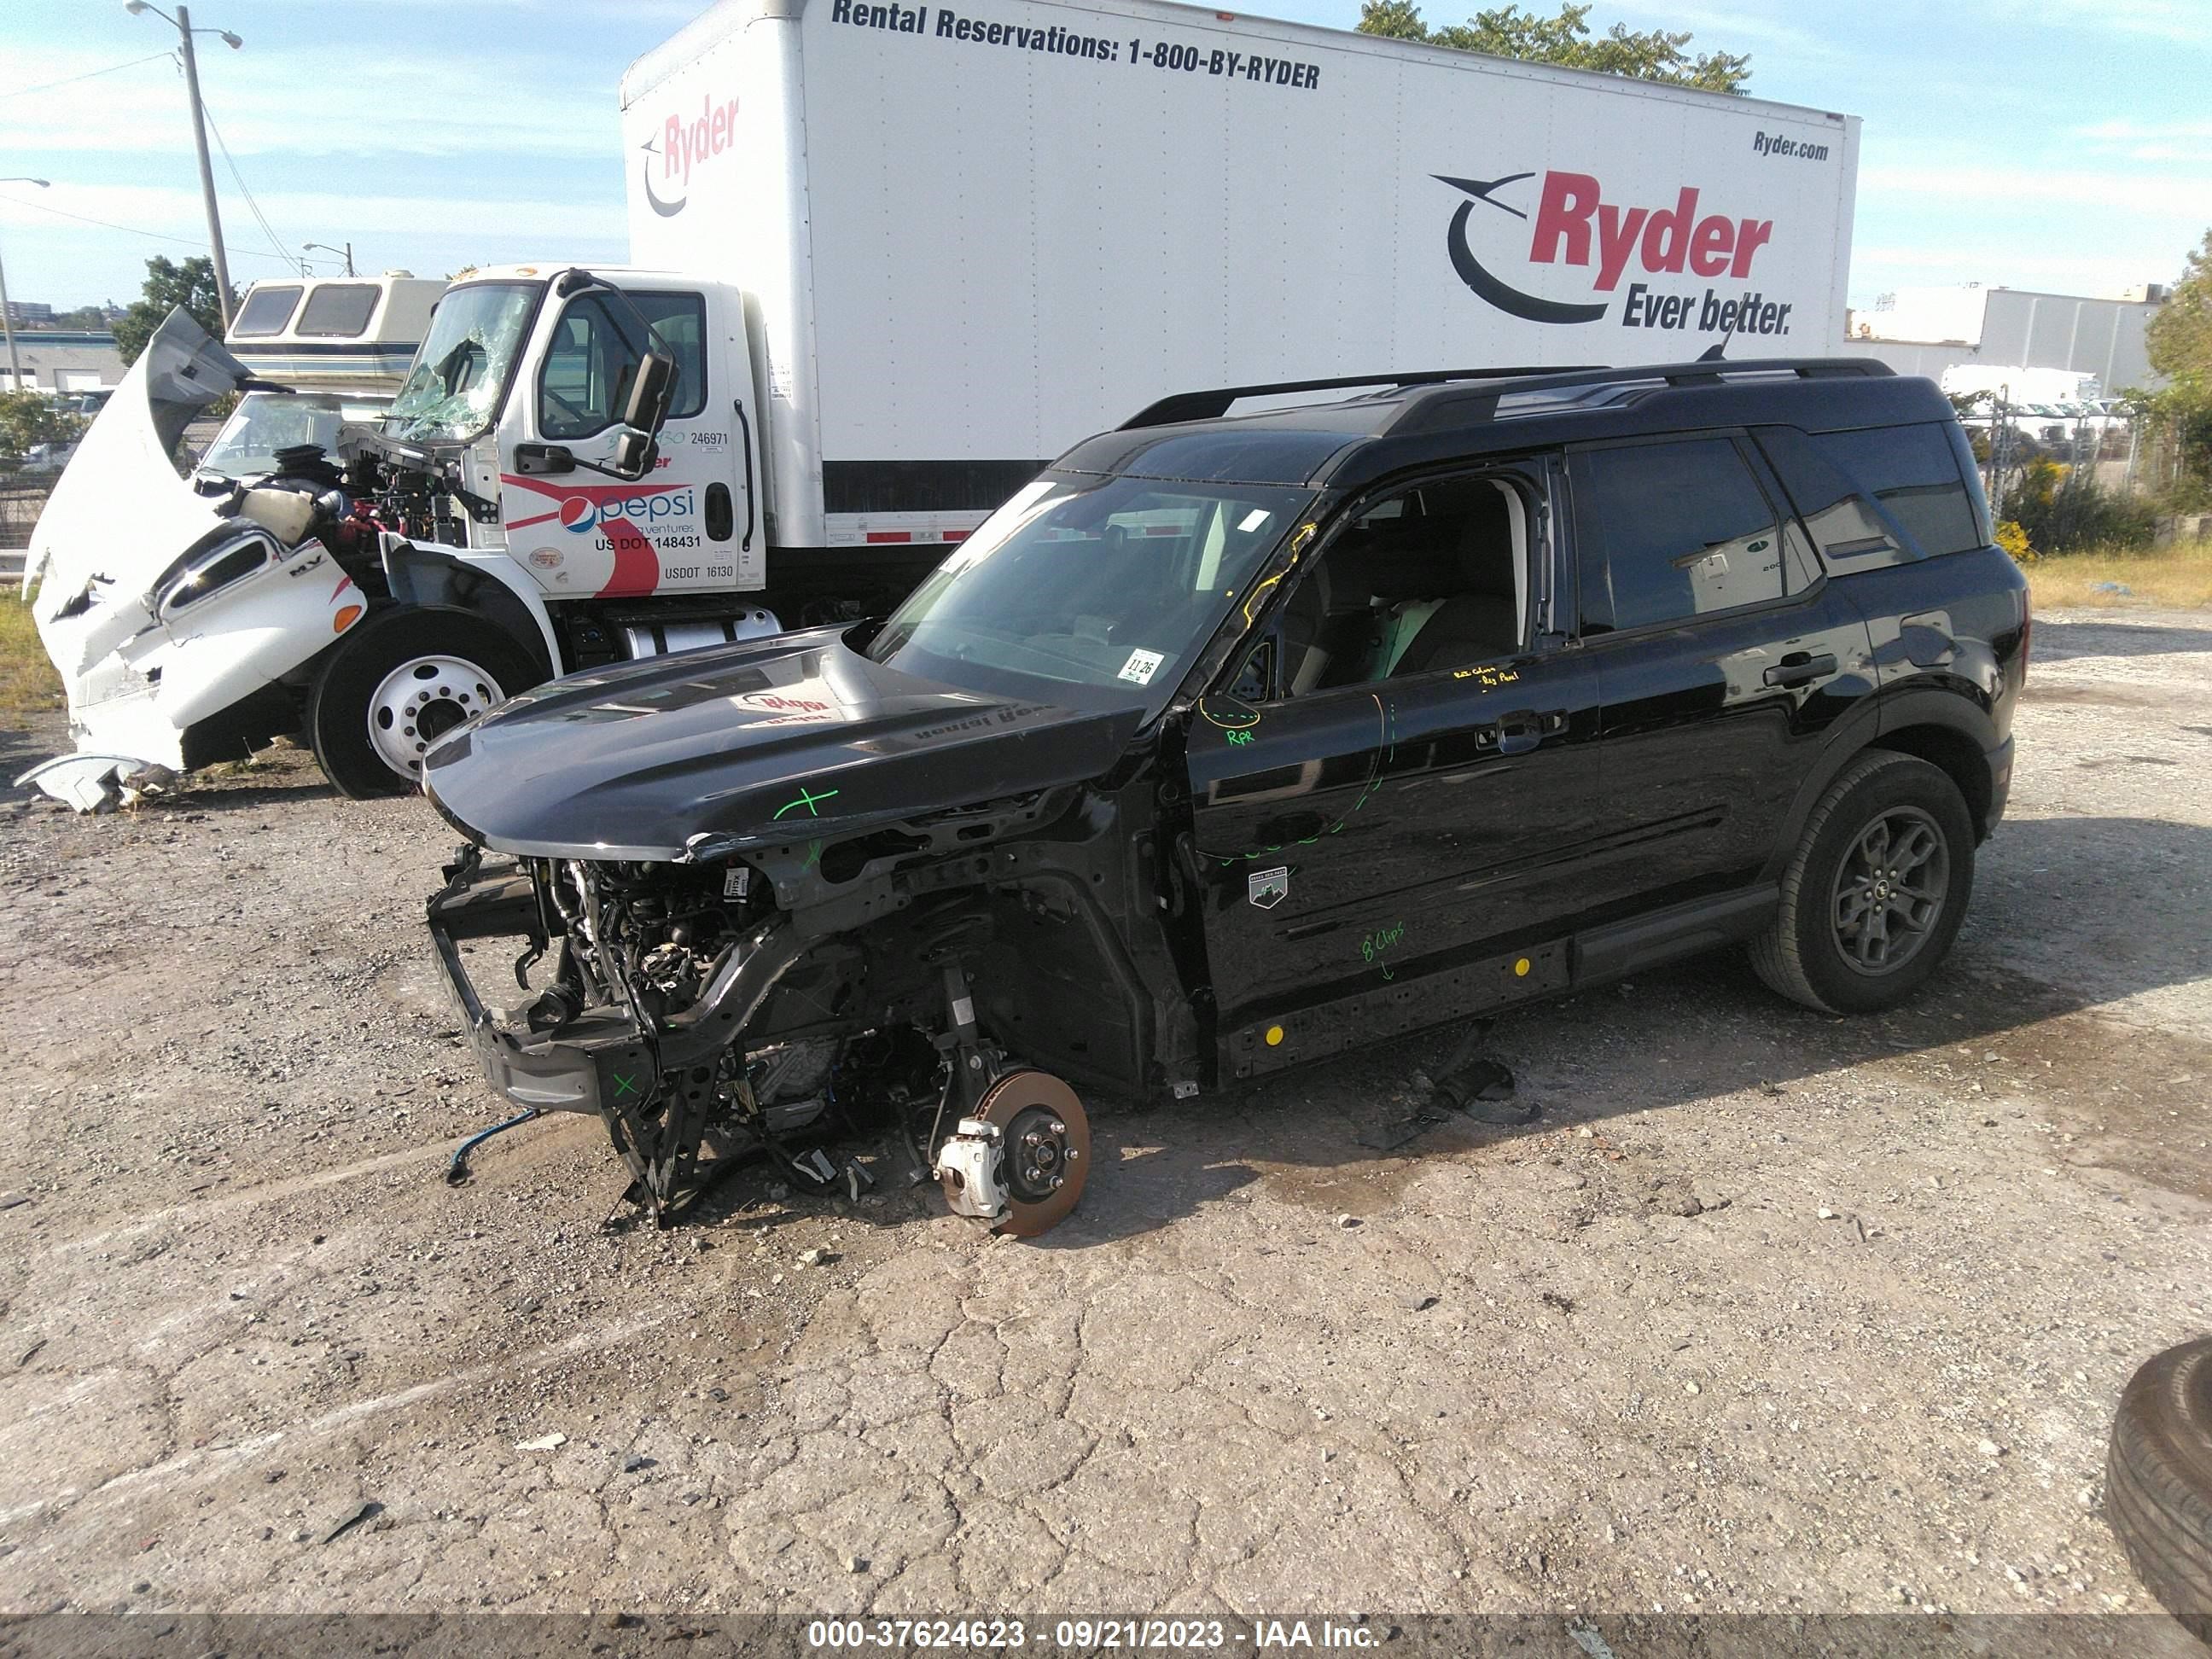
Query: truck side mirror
{"points": [[634, 454], [646, 406]]}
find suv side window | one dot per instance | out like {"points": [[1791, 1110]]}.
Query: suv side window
{"points": [[595, 351], [1665, 531]]}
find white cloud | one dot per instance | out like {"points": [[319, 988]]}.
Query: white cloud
{"points": [[376, 108], [318, 216], [2161, 194], [2184, 22]]}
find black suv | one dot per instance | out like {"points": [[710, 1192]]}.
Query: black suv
{"points": [[1236, 740]]}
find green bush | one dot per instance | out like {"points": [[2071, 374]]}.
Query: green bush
{"points": [[2064, 511]]}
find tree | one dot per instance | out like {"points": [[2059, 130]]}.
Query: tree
{"points": [[84, 317], [2179, 344], [1508, 31], [33, 417], [169, 285]]}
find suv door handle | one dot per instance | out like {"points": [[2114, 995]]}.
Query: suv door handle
{"points": [[1524, 728], [1800, 666]]}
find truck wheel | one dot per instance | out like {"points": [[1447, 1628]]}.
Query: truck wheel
{"points": [[1875, 891], [400, 681], [2157, 1481]]}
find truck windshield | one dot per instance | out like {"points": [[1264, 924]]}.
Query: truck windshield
{"points": [[1113, 585], [461, 370]]}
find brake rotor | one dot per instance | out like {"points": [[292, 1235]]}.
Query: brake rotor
{"points": [[1048, 1141]]}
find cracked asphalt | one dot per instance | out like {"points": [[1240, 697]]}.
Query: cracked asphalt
{"points": [[1767, 1312]]}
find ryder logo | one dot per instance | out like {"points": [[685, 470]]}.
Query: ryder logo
{"points": [[1574, 225], [682, 145]]}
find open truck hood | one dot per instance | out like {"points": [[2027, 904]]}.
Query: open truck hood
{"points": [[119, 520], [121, 513], [775, 742]]}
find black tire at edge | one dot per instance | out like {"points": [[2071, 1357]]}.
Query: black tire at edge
{"points": [[1798, 956], [338, 702], [2157, 1481]]}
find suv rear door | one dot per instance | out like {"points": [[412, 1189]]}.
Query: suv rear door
{"points": [[1722, 656]]}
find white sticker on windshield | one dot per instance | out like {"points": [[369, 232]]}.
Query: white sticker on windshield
{"points": [[1254, 519], [1141, 666]]}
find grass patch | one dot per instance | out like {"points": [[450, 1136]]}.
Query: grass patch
{"points": [[28, 684], [2178, 576]]}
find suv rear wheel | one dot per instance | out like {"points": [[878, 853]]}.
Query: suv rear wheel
{"points": [[400, 680], [1875, 891]]}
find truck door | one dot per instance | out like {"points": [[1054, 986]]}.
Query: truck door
{"points": [[691, 525]]}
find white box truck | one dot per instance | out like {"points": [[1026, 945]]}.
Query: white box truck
{"points": [[904, 255]]}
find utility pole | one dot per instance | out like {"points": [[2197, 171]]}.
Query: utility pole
{"points": [[183, 21], [8, 323], [207, 171]]}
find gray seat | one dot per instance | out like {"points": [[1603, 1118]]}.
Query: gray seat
{"points": [[1481, 622]]}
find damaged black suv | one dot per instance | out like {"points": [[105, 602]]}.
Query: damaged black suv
{"points": [[1236, 740]]}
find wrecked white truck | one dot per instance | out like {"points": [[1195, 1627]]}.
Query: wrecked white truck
{"points": [[182, 616], [315, 588]]}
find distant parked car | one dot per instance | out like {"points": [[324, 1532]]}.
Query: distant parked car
{"points": [[48, 458]]}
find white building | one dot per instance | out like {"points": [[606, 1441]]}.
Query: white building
{"points": [[1925, 331]]}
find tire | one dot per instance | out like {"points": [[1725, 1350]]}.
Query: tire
{"points": [[1822, 951], [399, 681], [2157, 1481]]}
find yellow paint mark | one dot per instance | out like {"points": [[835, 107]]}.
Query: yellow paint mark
{"points": [[1274, 1035], [1521, 968]]}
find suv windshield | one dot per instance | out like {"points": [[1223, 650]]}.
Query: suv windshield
{"points": [[266, 422], [461, 370], [1109, 584]]}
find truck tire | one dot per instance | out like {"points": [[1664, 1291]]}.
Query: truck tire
{"points": [[401, 679], [2157, 1481], [1875, 891]]}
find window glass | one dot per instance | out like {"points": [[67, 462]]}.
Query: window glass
{"points": [[1086, 592], [340, 310], [266, 310], [1668, 531], [1852, 533], [1912, 472], [595, 351], [1431, 578]]}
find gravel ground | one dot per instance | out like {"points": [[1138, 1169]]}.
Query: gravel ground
{"points": [[1767, 1312]]}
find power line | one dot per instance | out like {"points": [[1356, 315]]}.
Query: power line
{"points": [[127, 230], [48, 86], [240, 179]]}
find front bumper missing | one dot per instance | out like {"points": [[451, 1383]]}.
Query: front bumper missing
{"points": [[651, 1087]]}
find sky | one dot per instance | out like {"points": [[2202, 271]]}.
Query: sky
{"points": [[2064, 145]]}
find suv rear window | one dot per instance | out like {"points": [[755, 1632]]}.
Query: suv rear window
{"points": [[1668, 531], [1912, 472], [1879, 496]]}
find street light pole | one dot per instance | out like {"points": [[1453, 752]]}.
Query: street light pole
{"points": [[207, 171], [8, 323], [183, 21], [347, 251]]}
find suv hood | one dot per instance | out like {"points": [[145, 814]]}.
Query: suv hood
{"points": [[772, 742]]}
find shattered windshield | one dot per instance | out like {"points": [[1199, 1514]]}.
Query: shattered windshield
{"points": [[461, 371], [266, 422], [1114, 585]]}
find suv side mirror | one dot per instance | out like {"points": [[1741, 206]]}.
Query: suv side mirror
{"points": [[647, 407]]}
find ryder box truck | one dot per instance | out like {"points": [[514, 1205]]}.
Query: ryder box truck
{"points": [[904, 255]]}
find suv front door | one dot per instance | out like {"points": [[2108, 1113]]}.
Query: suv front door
{"points": [[1378, 856]]}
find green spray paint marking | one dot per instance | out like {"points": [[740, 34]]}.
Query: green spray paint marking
{"points": [[1386, 750], [808, 799], [1379, 941], [1237, 739]]}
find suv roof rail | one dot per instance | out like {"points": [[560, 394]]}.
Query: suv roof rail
{"points": [[1212, 404], [1475, 406], [1481, 404]]}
